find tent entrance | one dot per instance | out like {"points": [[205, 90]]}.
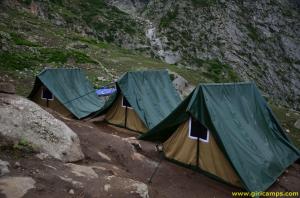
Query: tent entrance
{"points": [[47, 95], [198, 131], [125, 103]]}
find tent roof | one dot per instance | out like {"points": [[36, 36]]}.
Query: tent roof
{"points": [[150, 93], [71, 88], [244, 127]]}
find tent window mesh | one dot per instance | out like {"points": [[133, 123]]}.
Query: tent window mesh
{"points": [[198, 130], [125, 103], [46, 94]]}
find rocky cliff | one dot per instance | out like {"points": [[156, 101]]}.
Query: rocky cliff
{"points": [[259, 39]]}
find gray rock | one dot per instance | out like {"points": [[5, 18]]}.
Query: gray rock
{"points": [[129, 6], [71, 192], [183, 87], [42, 156], [23, 119], [262, 46], [17, 165], [82, 171], [4, 167], [297, 124]]}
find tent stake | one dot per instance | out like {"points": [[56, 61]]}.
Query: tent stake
{"points": [[156, 169], [197, 152], [126, 117]]}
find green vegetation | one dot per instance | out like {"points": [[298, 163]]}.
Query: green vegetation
{"points": [[19, 40], [24, 146], [16, 60], [218, 72], [27, 59], [49, 55], [204, 3], [27, 2], [253, 33], [287, 119], [20, 149], [168, 18]]}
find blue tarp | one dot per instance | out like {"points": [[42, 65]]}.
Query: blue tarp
{"points": [[105, 91]]}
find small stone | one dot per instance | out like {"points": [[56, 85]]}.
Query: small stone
{"points": [[159, 147], [71, 192], [107, 187], [101, 78], [42, 156], [287, 130], [4, 167], [17, 165]]}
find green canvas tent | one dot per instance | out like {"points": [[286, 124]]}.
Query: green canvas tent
{"points": [[143, 99], [67, 91], [228, 131]]}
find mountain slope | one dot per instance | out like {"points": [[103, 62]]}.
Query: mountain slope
{"points": [[259, 39]]}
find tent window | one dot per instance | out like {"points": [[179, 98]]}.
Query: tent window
{"points": [[125, 103], [198, 130], [46, 94]]}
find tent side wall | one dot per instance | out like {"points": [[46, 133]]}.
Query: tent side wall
{"points": [[181, 148], [116, 115], [53, 104]]}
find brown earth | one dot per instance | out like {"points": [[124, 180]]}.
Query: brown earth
{"points": [[120, 169]]}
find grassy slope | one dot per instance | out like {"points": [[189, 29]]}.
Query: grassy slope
{"points": [[287, 119], [33, 43]]}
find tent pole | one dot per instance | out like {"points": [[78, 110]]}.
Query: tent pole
{"points": [[126, 117], [198, 152]]}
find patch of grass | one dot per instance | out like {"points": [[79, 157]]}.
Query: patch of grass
{"points": [[19, 40], [24, 146], [17, 60], [17, 150], [219, 72], [287, 120], [57, 55], [22, 60]]}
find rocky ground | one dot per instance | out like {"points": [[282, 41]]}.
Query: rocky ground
{"points": [[115, 165]]}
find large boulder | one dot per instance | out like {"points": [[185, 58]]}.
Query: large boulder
{"points": [[183, 87], [21, 119]]}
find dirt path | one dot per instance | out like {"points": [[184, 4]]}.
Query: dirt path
{"points": [[172, 180]]}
